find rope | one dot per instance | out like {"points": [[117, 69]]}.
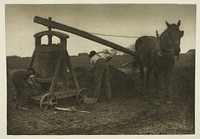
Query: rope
{"points": [[122, 36]]}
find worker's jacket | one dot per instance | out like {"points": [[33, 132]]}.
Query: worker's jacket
{"points": [[19, 79]]}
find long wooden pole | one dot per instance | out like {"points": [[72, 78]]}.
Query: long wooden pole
{"points": [[56, 25]]}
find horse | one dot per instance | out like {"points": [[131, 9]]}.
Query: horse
{"points": [[158, 54]]}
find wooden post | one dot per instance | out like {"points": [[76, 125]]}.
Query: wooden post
{"points": [[49, 36], [157, 34], [51, 90], [68, 61], [63, 42], [72, 71], [32, 60], [64, 80]]}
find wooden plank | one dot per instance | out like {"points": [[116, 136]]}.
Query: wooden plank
{"points": [[65, 93], [81, 33], [43, 80], [58, 94], [38, 97]]}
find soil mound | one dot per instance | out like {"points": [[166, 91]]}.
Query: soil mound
{"points": [[121, 83]]}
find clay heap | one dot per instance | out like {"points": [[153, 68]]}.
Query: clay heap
{"points": [[121, 83]]}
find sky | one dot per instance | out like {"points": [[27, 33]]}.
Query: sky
{"points": [[113, 19]]}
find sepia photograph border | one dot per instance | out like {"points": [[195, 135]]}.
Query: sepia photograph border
{"points": [[3, 85]]}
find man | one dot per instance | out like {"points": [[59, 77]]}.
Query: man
{"points": [[20, 81], [102, 74]]}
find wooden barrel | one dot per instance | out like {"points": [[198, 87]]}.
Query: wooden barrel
{"points": [[46, 58]]}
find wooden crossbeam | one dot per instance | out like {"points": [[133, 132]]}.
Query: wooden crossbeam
{"points": [[59, 26]]}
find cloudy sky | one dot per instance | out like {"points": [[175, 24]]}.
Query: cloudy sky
{"points": [[116, 19]]}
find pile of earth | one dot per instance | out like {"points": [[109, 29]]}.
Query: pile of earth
{"points": [[184, 82], [121, 83]]}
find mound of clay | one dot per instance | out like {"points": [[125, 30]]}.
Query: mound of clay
{"points": [[121, 83]]}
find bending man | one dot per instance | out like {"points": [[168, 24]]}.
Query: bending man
{"points": [[20, 80], [102, 74]]}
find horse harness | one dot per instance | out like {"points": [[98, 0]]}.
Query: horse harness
{"points": [[157, 51]]}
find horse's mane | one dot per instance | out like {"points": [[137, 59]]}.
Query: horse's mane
{"points": [[164, 41]]}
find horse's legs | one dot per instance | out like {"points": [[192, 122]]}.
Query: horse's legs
{"points": [[167, 85], [141, 68], [156, 86], [148, 74]]}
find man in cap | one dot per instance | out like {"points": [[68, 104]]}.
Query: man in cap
{"points": [[20, 81], [102, 74]]}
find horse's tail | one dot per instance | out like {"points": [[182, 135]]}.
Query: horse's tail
{"points": [[137, 42], [136, 61]]}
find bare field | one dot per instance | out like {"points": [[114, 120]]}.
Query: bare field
{"points": [[130, 112]]}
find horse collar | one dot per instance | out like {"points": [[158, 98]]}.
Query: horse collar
{"points": [[159, 52]]}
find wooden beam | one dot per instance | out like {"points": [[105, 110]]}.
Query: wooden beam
{"points": [[32, 59], [71, 70], [55, 76], [56, 25]]}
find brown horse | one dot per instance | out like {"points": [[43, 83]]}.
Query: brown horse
{"points": [[158, 54]]}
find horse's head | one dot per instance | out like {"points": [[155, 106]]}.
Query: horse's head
{"points": [[174, 37]]}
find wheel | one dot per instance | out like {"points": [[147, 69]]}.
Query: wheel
{"points": [[80, 96], [48, 101]]}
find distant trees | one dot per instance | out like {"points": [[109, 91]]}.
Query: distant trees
{"points": [[191, 51], [16, 62], [83, 54], [112, 51], [109, 51]]}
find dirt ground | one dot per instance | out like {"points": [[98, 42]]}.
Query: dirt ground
{"points": [[130, 112]]}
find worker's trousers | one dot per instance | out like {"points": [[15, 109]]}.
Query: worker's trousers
{"points": [[22, 89], [102, 80]]}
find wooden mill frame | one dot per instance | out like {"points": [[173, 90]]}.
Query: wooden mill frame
{"points": [[50, 98]]}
